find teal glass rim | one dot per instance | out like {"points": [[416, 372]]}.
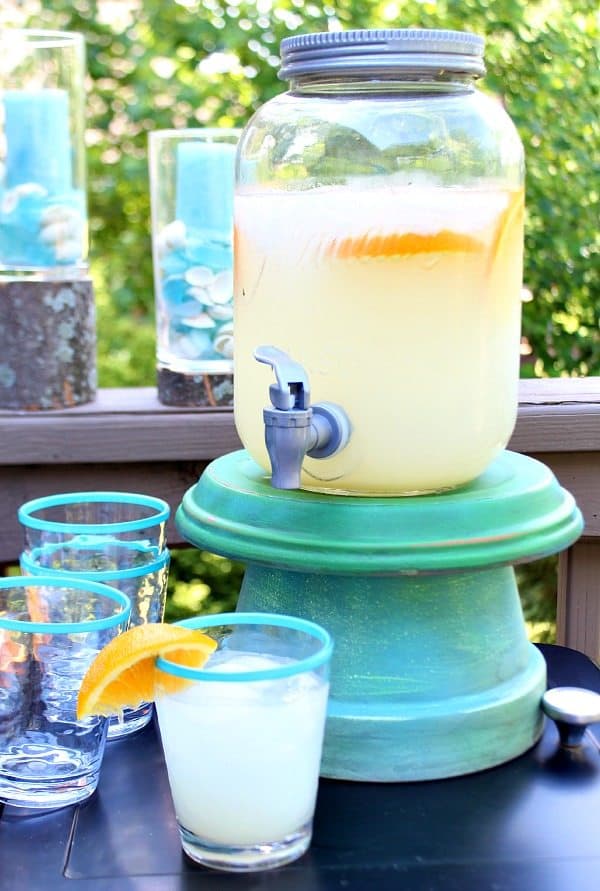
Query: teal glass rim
{"points": [[30, 565], [46, 581], [160, 508], [310, 663]]}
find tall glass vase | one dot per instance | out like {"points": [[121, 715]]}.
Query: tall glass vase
{"points": [[47, 322], [191, 185]]}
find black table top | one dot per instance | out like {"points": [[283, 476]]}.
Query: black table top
{"points": [[530, 825]]}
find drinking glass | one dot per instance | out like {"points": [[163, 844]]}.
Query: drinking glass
{"points": [[50, 631], [242, 739], [108, 519], [116, 538], [145, 585]]}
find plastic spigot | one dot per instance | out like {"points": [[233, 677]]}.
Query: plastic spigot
{"points": [[294, 428]]}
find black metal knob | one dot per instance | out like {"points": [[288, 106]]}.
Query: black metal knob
{"points": [[572, 708]]}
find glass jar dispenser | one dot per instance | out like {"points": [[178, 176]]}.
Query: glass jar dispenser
{"points": [[378, 243]]}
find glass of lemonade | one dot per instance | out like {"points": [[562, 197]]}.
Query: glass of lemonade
{"points": [[242, 739]]}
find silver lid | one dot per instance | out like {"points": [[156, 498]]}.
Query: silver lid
{"points": [[382, 50]]}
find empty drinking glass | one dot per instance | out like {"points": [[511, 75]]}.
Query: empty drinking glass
{"points": [[51, 629], [108, 519], [145, 585], [115, 538]]}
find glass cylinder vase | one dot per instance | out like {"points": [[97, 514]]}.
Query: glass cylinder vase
{"points": [[191, 186], [47, 307]]}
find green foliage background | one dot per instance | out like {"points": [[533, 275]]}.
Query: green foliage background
{"points": [[185, 63]]}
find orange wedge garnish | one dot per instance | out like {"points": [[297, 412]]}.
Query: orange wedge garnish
{"points": [[123, 673], [373, 245]]}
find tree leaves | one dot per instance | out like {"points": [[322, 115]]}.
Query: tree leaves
{"points": [[189, 63]]}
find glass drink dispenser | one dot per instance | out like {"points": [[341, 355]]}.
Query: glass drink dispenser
{"points": [[378, 243], [378, 258]]}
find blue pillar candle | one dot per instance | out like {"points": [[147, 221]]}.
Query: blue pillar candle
{"points": [[42, 215], [38, 142], [204, 185]]}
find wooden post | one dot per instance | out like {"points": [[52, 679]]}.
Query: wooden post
{"points": [[578, 606], [48, 337]]}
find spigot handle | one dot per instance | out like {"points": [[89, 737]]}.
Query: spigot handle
{"points": [[292, 391], [293, 428]]}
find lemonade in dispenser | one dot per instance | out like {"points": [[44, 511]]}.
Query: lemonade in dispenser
{"points": [[378, 245]]}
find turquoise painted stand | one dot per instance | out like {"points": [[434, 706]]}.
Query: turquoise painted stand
{"points": [[432, 675]]}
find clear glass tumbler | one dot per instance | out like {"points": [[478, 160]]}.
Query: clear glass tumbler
{"points": [[247, 730], [191, 189], [50, 631], [116, 538], [145, 584], [106, 519]]}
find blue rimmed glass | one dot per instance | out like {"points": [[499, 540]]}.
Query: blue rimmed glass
{"points": [[105, 519], [247, 730], [50, 631], [145, 583]]}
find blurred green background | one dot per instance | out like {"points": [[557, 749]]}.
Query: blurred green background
{"points": [[156, 64]]}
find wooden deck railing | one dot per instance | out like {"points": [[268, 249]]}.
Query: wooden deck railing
{"points": [[127, 440]]}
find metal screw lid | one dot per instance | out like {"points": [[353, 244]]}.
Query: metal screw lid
{"points": [[382, 50]]}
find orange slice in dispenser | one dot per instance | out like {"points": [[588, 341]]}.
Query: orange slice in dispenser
{"points": [[373, 245], [510, 217], [122, 674]]}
